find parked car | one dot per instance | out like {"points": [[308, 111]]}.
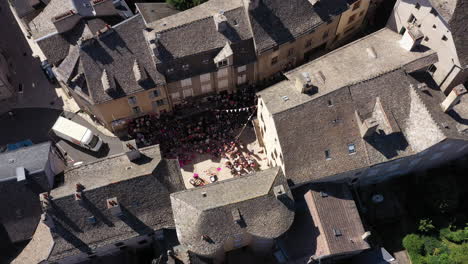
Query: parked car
{"points": [[47, 69]]}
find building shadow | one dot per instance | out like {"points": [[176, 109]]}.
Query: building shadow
{"points": [[88, 205], [68, 236], [271, 24], [134, 223], [388, 145], [60, 215]]}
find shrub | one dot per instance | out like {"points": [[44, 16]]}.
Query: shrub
{"points": [[433, 246], [413, 243], [458, 236]]}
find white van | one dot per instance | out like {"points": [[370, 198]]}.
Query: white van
{"points": [[77, 134]]}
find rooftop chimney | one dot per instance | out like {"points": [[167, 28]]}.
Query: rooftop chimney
{"points": [[79, 193], [412, 38], [21, 174], [45, 201], [114, 207], [279, 191], [104, 8], [131, 150], [453, 97], [66, 21], [303, 82], [366, 235], [366, 127], [220, 21], [236, 216]]}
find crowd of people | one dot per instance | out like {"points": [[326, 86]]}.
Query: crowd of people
{"points": [[208, 127]]}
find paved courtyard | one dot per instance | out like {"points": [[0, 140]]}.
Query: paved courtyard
{"points": [[205, 165]]}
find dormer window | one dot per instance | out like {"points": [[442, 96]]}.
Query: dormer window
{"points": [[170, 70], [205, 61], [185, 67], [223, 63]]}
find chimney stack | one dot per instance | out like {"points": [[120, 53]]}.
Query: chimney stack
{"points": [[220, 21], [131, 150], [303, 82], [412, 38], [366, 127], [114, 207], [104, 8], [21, 175], [79, 193], [45, 201], [66, 21], [453, 98]]}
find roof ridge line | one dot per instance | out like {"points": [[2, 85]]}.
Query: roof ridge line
{"points": [[419, 97], [193, 21]]}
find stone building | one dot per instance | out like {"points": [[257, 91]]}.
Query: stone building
{"points": [[24, 174], [327, 227], [443, 26], [358, 113], [114, 206], [218, 46], [249, 211]]}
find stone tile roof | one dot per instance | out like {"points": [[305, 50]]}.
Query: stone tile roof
{"points": [[333, 210], [344, 66], [154, 11], [209, 210], [142, 190], [414, 121], [275, 22], [38, 248], [445, 8], [197, 42], [33, 158], [460, 32], [199, 12], [56, 46], [116, 51], [42, 24], [20, 205], [24, 7]]}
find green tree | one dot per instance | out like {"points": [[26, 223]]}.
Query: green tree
{"points": [[425, 226], [184, 4]]}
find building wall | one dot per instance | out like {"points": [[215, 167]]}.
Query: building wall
{"points": [[294, 53], [143, 241], [434, 156], [6, 88], [437, 36], [122, 108], [352, 19], [225, 79]]}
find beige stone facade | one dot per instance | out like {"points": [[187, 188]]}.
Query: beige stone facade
{"points": [[225, 79], [308, 46], [449, 71]]}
